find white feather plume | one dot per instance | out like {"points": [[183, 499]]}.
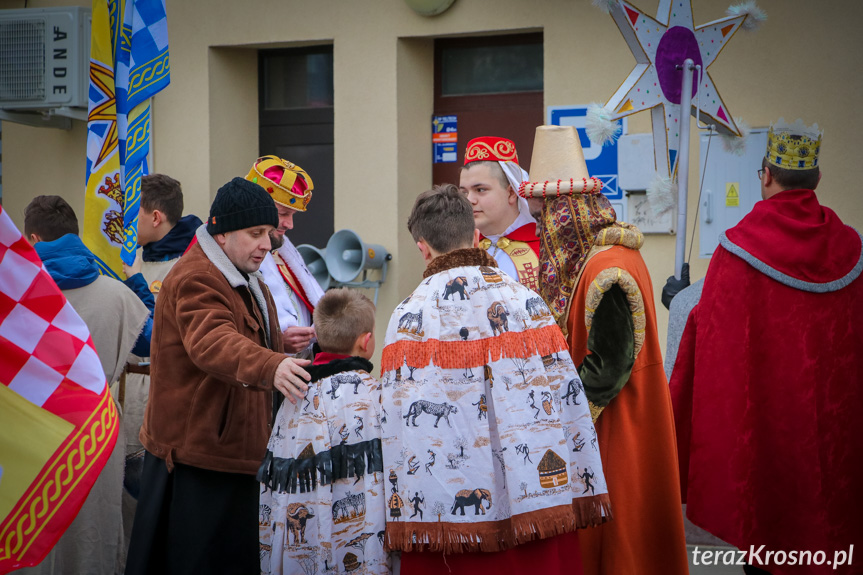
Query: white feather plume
{"points": [[661, 194], [755, 15], [605, 5], [736, 144], [600, 128]]}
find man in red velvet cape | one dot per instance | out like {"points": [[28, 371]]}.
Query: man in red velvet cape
{"points": [[767, 386], [490, 179]]}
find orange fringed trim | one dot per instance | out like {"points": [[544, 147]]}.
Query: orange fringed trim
{"points": [[462, 354], [592, 511], [490, 536]]}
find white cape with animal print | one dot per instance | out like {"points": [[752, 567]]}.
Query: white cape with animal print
{"points": [[323, 502], [488, 441]]}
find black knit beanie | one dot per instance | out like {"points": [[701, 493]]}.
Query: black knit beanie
{"points": [[240, 204]]}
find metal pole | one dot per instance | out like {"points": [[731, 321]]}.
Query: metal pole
{"points": [[683, 164]]}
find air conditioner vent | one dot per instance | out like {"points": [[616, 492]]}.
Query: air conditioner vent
{"points": [[44, 58], [22, 60]]}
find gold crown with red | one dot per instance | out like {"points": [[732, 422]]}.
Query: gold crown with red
{"points": [[287, 183], [490, 149]]}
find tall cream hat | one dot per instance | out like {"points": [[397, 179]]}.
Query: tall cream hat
{"points": [[557, 166]]}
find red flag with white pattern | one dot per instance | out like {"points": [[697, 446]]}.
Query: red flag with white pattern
{"points": [[59, 423]]}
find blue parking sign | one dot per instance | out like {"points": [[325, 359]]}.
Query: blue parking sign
{"points": [[445, 139], [601, 160]]}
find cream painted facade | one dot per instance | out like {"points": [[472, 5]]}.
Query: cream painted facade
{"points": [[205, 125]]}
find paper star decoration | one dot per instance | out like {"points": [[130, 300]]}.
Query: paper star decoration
{"points": [[659, 46]]}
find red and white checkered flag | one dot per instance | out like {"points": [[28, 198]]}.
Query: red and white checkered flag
{"points": [[59, 423]]}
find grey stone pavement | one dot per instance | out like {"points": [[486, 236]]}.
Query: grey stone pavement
{"points": [[696, 536]]}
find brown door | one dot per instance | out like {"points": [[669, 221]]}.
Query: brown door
{"points": [[494, 87], [296, 123]]}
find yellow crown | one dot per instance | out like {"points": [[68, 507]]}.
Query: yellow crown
{"points": [[795, 146], [287, 183]]}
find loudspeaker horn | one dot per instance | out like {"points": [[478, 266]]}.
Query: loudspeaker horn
{"points": [[316, 263], [347, 255]]}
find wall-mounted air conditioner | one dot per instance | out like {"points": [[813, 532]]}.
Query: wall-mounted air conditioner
{"points": [[44, 58]]}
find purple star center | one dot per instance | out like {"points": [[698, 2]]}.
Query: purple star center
{"points": [[676, 45]]}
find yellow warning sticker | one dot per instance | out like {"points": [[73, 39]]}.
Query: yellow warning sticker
{"points": [[732, 194]]}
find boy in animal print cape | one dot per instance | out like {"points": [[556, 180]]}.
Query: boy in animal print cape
{"points": [[488, 443], [323, 501]]}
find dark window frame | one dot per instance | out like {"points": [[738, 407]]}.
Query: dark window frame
{"points": [[479, 101], [305, 130], [310, 115]]}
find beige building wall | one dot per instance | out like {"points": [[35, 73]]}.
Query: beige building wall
{"points": [[205, 130]]}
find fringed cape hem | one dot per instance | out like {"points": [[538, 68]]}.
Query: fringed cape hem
{"points": [[491, 536]]}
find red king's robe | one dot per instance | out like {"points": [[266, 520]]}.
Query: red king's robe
{"points": [[768, 385]]}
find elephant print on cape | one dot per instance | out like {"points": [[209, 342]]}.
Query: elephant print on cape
{"points": [[456, 286], [468, 498]]}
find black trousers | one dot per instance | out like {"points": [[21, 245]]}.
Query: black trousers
{"points": [[194, 521]]}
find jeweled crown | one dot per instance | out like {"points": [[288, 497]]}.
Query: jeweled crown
{"points": [[793, 146], [287, 183]]}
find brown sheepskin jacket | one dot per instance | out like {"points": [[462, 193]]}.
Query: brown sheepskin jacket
{"points": [[214, 357]]}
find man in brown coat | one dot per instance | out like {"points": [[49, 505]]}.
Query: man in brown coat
{"points": [[216, 357]]}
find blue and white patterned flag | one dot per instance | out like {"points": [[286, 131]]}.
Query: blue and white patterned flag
{"points": [[129, 65], [142, 69]]}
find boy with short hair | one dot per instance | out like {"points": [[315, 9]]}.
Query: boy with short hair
{"points": [[161, 207], [479, 387], [323, 494], [163, 232]]}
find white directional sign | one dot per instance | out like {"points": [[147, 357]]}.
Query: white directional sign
{"points": [[601, 160]]}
